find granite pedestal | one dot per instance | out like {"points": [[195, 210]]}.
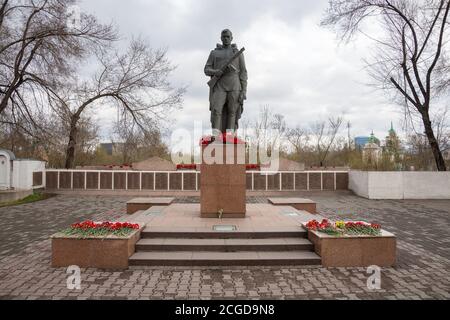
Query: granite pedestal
{"points": [[223, 181]]}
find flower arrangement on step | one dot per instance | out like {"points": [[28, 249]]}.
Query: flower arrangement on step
{"points": [[91, 229], [186, 166], [253, 167], [342, 228], [225, 138]]}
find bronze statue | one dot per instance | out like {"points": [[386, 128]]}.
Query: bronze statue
{"points": [[228, 84]]}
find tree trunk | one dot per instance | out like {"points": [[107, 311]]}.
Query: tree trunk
{"points": [[15, 84], [70, 152], [438, 158], [5, 99]]}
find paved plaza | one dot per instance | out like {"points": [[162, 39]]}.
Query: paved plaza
{"points": [[422, 271]]}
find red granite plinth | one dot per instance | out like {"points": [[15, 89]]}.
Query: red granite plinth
{"points": [[223, 181], [106, 253], [355, 251]]}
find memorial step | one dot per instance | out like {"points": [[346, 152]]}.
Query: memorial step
{"points": [[149, 233], [224, 245], [215, 258]]}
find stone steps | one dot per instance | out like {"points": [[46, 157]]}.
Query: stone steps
{"points": [[215, 258], [224, 245], [203, 247], [192, 233]]}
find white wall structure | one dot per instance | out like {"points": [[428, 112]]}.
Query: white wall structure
{"points": [[400, 185], [427, 185], [386, 185], [358, 183], [22, 177], [6, 158], [17, 174]]}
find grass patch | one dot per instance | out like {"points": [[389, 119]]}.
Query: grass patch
{"points": [[35, 197]]}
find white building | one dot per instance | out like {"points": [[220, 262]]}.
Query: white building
{"points": [[18, 174], [372, 150]]}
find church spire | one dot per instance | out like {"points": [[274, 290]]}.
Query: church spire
{"points": [[392, 131]]}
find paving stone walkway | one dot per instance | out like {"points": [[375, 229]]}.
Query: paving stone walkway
{"points": [[422, 272]]}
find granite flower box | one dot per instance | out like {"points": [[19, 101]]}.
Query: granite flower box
{"points": [[103, 252], [355, 250]]}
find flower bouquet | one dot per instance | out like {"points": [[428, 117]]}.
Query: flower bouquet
{"points": [[341, 228], [102, 229], [225, 138]]}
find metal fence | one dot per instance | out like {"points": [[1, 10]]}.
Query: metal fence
{"points": [[190, 180]]}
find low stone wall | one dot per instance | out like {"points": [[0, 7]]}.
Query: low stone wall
{"points": [[14, 195], [120, 180], [62, 180], [400, 185]]}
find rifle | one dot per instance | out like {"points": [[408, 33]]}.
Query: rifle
{"points": [[215, 79]]}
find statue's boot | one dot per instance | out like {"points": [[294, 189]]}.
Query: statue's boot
{"points": [[233, 106], [216, 121]]}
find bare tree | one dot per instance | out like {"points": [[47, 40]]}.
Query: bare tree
{"points": [[262, 127], [324, 135], [135, 82], [279, 129], [135, 144], [127, 139], [269, 129], [442, 128], [37, 41], [299, 139], [418, 153], [412, 54], [50, 144]]}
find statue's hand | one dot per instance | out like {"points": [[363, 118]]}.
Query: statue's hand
{"points": [[218, 73], [242, 97], [230, 68]]}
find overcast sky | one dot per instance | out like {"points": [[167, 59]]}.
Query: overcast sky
{"points": [[295, 66]]}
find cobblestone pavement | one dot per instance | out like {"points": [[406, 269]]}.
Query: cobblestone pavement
{"points": [[422, 272]]}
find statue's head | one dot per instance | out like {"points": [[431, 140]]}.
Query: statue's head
{"points": [[227, 37]]}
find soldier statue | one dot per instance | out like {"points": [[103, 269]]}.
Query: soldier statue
{"points": [[228, 85]]}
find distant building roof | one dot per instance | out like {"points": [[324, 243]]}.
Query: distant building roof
{"points": [[360, 142], [373, 139]]}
